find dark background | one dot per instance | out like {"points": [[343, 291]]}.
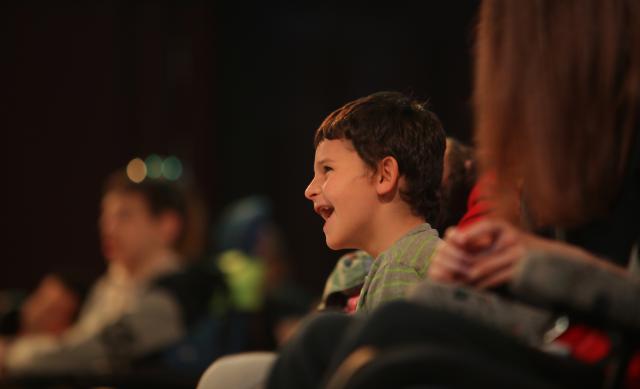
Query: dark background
{"points": [[234, 89]]}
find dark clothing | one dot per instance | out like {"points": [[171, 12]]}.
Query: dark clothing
{"points": [[193, 289], [327, 340], [613, 235], [305, 359]]}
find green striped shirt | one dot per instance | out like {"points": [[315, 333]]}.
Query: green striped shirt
{"points": [[404, 264]]}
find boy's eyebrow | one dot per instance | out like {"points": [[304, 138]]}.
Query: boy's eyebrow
{"points": [[323, 161]]}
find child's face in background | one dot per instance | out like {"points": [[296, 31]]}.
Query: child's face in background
{"points": [[50, 309], [343, 194], [128, 230]]}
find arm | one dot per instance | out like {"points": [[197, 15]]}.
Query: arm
{"points": [[156, 323], [485, 254]]}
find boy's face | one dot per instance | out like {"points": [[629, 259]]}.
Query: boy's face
{"points": [[343, 194], [128, 230]]}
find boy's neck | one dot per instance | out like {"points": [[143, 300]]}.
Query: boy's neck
{"points": [[389, 230], [154, 263]]}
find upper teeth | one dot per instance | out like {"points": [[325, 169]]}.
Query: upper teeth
{"points": [[325, 211]]}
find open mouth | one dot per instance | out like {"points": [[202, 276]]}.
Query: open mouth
{"points": [[325, 211]]}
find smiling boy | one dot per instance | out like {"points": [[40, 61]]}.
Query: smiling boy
{"points": [[377, 171], [378, 167]]}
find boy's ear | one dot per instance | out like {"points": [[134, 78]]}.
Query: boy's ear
{"points": [[388, 176]]}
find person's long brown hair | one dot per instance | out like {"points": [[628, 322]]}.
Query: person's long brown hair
{"points": [[555, 99]]}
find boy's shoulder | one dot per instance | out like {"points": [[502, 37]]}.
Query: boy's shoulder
{"points": [[414, 249], [404, 264]]}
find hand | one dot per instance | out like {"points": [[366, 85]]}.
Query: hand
{"points": [[482, 255], [485, 254], [450, 263], [498, 247]]}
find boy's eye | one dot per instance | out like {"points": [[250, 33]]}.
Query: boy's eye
{"points": [[327, 169]]}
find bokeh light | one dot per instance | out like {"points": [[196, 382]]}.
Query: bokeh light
{"points": [[136, 170], [154, 166], [171, 168]]}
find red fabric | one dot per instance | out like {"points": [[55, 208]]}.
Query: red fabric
{"points": [[587, 344], [481, 202], [591, 345], [352, 303], [633, 373], [478, 204]]}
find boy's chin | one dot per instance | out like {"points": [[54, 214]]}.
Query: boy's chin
{"points": [[334, 244]]}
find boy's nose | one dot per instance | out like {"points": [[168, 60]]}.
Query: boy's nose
{"points": [[312, 190]]}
